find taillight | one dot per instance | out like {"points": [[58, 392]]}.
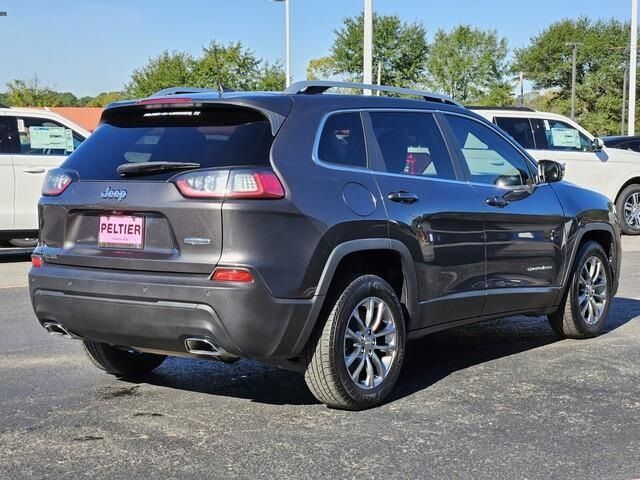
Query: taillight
{"points": [[230, 184], [36, 261], [238, 275], [55, 182]]}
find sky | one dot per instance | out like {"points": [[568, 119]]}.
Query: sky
{"points": [[91, 46]]}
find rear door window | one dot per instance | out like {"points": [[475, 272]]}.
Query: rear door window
{"points": [[211, 137], [342, 141], [519, 129], [411, 144], [42, 136], [564, 137]]}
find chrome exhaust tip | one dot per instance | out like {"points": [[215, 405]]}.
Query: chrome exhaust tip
{"points": [[205, 347], [57, 330]]}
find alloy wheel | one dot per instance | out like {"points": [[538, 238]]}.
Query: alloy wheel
{"points": [[632, 210], [592, 290], [370, 343]]}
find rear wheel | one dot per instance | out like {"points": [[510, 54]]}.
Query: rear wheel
{"points": [[119, 362], [628, 208], [354, 360], [586, 303]]}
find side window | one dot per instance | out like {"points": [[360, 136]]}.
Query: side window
{"points": [[519, 129], [562, 136], [41, 136], [489, 158], [8, 135], [411, 144], [342, 141]]}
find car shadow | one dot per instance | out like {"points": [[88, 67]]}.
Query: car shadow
{"points": [[15, 255], [428, 360]]}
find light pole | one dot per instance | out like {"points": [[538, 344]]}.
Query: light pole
{"points": [[287, 41], [633, 59], [575, 46], [367, 61]]}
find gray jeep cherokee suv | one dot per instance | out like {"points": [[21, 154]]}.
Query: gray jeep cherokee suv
{"points": [[311, 231]]}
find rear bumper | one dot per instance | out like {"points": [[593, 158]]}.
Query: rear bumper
{"points": [[158, 312]]}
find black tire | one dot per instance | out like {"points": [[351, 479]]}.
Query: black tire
{"points": [[569, 321], [120, 362], [327, 374], [625, 196]]}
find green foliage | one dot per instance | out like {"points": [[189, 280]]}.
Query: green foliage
{"points": [[469, 65], [31, 93], [169, 69], [321, 68], [231, 65], [601, 60], [400, 47]]}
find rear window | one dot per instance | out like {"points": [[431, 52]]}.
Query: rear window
{"points": [[212, 137]]}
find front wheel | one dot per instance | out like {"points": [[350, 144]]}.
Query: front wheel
{"points": [[586, 303], [628, 209], [119, 362], [354, 360]]}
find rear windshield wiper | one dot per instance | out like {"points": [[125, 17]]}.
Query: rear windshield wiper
{"points": [[145, 168]]}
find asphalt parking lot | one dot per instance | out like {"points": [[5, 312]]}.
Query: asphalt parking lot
{"points": [[503, 399]]}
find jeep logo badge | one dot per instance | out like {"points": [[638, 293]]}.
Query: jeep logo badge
{"points": [[114, 194]]}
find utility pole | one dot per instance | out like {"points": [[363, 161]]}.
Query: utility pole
{"points": [[575, 46], [367, 63], [633, 59]]}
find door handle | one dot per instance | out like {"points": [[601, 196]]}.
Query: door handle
{"points": [[33, 170], [402, 197], [496, 201]]}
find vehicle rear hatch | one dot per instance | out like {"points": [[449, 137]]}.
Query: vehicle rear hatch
{"points": [[140, 220]]}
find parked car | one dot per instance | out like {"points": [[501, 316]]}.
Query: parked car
{"points": [[623, 142], [314, 232], [589, 163], [31, 142]]}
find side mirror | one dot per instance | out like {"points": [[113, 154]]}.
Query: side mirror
{"points": [[597, 144], [550, 171]]}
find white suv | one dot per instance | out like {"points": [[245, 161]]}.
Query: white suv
{"points": [[31, 142], [590, 164]]}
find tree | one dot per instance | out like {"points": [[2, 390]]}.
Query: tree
{"points": [[400, 47], [237, 67], [601, 60], [169, 69], [30, 93], [103, 99], [469, 65], [231, 65], [321, 68]]}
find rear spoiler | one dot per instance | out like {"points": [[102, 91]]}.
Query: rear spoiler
{"points": [[276, 114]]}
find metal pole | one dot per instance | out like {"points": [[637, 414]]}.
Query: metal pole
{"points": [[367, 64], [379, 76], [624, 99], [633, 59], [287, 43]]}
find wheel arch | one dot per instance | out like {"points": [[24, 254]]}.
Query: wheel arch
{"points": [[605, 235], [635, 180]]}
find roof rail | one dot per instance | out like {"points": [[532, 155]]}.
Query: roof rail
{"points": [[312, 87], [506, 109], [180, 90]]}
